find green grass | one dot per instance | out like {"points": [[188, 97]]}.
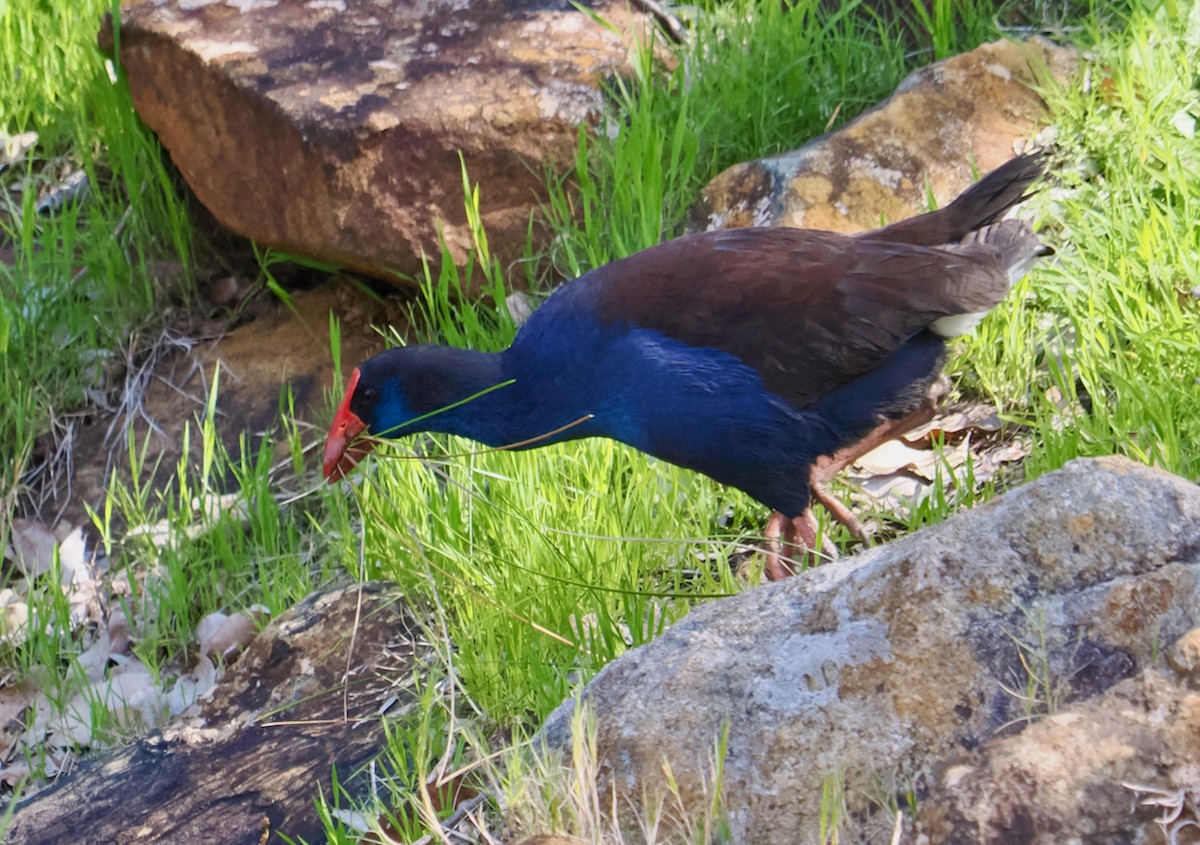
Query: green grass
{"points": [[549, 568], [761, 79], [543, 566], [85, 275], [209, 549], [1102, 356], [947, 24], [81, 274], [191, 549]]}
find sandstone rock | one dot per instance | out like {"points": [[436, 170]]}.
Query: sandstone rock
{"points": [[972, 110], [876, 667], [1184, 657], [333, 128]]}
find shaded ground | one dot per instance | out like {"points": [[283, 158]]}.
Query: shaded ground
{"points": [[166, 388]]}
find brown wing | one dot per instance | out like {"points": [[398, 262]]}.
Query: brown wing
{"points": [[809, 310]]}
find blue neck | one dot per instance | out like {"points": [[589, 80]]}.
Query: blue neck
{"points": [[505, 404]]}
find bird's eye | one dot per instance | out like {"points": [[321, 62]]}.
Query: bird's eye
{"points": [[368, 395]]}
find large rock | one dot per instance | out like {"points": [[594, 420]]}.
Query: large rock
{"points": [[1076, 775], [333, 128], [970, 111], [878, 667]]}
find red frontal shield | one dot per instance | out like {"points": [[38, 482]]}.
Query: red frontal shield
{"points": [[342, 453]]}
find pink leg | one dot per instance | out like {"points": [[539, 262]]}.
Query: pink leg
{"points": [[826, 467], [797, 538], [839, 511], [792, 541], [773, 565]]}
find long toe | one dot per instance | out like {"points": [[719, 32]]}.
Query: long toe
{"points": [[775, 567], [792, 544], [840, 511]]}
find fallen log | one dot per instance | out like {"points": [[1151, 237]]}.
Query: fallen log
{"points": [[247, 763]]}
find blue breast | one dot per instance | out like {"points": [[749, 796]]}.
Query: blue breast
{"points": [[700, 408]]}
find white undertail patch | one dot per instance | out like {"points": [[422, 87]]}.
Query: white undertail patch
{"points": [[956, 324], [1019, 249]]}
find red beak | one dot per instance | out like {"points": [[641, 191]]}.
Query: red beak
{"points": [[342, 453]]}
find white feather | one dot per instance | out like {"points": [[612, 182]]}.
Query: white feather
{"points": [[956, 324]]}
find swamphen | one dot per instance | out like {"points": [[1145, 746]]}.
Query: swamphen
{"points": [[750, 355]]}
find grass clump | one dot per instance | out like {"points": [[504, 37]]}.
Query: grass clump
{"points": [[564, 793], [1102, 356], [550, 568], [88, 214], [218, 538], [215, 538]]}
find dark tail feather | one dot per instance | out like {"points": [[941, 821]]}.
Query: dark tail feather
{"points": [[981, 204]]}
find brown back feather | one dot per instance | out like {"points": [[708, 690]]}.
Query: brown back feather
{"points": [[810, 311]]}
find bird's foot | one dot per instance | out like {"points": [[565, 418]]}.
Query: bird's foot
{"points": [[840, 511], [792, 545]]}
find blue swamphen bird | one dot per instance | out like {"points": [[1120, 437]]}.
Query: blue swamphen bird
{"points": [[759, 356]]}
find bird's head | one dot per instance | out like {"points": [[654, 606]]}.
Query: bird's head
{"points": [[349, 439], [400, 392]]}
